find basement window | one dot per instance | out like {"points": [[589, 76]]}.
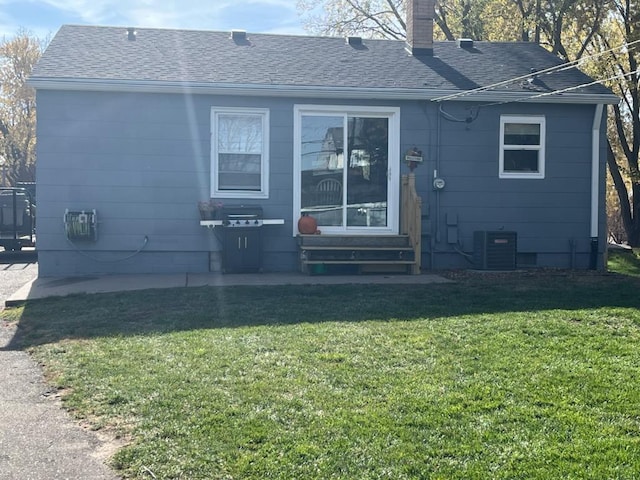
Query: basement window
{"points": [[522, 146]]}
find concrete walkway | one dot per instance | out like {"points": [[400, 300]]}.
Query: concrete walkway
{"points": [[49, 287], [38, 439]]}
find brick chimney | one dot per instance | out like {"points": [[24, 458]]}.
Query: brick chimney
{"points": [[420, 15]]}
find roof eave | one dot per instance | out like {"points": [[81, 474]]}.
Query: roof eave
{"points": [[308, 91]]}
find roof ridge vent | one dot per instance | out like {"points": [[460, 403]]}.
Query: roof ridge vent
{"points": [[465, 42], [131, 34], [238, 35], [354, 41]]}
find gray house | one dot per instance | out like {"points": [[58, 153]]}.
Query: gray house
{"points": [[136, 126]]}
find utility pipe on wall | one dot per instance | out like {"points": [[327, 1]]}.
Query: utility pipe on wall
{"points": [[435, 237], [436, 171]]}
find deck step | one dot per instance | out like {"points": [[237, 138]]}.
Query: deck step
{"points": [[353, 240], [368, 254], [348, 254], [373, 249], [359, 262]]}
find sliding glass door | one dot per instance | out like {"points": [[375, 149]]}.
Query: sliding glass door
{"points": [[346, 168]]}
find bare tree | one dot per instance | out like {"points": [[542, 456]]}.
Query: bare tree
{"points": [[386, 18], [552, 23], [623, 28], [371, 18], [18, 56]]}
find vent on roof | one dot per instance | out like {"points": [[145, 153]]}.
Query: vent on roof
{"points": [[238, 35], [465, 43], [131, 34], [354, 41]]}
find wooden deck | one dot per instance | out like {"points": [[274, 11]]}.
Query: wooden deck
{"points": [[364, 254]]}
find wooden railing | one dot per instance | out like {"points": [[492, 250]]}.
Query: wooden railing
{"points": [[411, 220]]}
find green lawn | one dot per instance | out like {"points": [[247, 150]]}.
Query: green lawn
{"points": [[522, 375], [625, 262]]}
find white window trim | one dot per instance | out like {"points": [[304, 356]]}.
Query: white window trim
{"points": [[537, 120], [393, 194], [264, 166]]}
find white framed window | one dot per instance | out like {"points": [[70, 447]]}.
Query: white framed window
{"points": [[522, 146], [239, 152]]}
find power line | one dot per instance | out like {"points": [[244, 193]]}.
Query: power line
{"points": [[547, 71], [568, 89], [595, 82]]}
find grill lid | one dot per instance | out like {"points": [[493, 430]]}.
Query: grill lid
{"points": [[242, 215], [242, 212]]}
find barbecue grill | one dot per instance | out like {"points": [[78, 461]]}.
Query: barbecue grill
{"points": [[242, 239]]}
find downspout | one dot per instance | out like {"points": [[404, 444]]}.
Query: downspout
{"points": [[595, 185], [436, 172]]}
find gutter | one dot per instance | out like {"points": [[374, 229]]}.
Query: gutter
{"points": [[303, 91]]}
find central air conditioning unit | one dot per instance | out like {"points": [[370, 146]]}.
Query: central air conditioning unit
{"points": [[495, 250]]}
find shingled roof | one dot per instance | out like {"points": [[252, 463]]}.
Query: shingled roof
{"points": [[93, 57]]}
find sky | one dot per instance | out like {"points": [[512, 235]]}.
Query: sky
{"points": [[43, 18]]}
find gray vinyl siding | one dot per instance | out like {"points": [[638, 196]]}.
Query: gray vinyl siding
{"points": [[548, 215], [143, 162]]}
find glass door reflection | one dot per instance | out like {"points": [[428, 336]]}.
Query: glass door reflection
{"points": [[344, 170], [367, 181]]}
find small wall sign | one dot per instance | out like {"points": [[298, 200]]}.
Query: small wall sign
{"points": [[413, 157]]}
